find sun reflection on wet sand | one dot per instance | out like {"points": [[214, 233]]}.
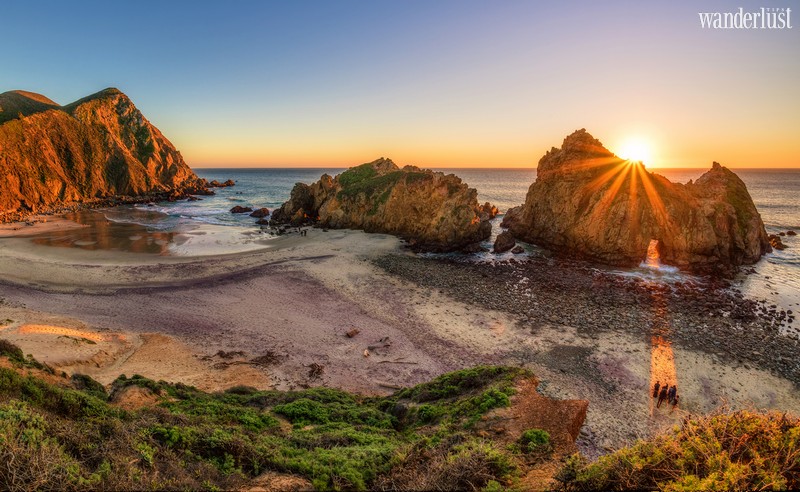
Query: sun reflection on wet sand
{"points": [[59, 330], [662, 357]]}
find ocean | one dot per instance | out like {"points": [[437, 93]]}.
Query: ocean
{"points": [[207, 227]]}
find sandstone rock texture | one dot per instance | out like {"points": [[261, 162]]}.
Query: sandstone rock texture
{"points": [[95, 148], [587, 202], [434, 211]]}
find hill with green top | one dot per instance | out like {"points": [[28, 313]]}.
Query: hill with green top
{"points": [[96, 148]]}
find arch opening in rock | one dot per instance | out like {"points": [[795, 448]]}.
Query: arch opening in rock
{"points": [[653, 257]]}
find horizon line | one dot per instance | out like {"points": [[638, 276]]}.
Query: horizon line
{"points": [[494, 168]]}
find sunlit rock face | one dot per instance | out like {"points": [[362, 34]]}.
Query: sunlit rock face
{"points": [[589, 203], [99, 146], [434, 211]]}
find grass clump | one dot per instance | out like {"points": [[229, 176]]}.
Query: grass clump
{"points": [[370, 186], [534, 439], [740, 451], [357, 175]]}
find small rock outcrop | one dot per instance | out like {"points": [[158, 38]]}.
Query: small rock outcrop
{"points": [[587, 202], [93, 149], [776, 242], [260, 213], [505, 241], [238, 209], [434, 211]]}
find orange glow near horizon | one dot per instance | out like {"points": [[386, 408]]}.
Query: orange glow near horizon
{"points": [[255, 151]]}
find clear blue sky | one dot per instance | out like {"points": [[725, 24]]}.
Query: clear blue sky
{"points": [[433, 83]]}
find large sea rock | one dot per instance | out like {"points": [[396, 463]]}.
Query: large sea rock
{"points": [[587, 202], [434, 211], [95, 148]]}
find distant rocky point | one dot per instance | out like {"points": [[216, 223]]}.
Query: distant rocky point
{"points": [[434, 211], [97, 149], [588, 202]]}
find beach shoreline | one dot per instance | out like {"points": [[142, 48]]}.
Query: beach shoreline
{"points": [[290, 306]]}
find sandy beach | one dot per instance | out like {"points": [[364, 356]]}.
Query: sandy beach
{"points": [[263, 318]]}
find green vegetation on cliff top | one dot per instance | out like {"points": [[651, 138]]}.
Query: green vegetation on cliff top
{"points": [[65, 435], [55, 437], [365, 179]]}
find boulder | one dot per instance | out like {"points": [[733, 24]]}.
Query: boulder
{"points": [[238, 209], [433, 211], [791, 233], [517, 250], [504, 242], [260, 213], [589, 203], [775, 242]]}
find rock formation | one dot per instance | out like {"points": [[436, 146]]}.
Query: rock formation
{"points": [[434, 211], [95, 148], [505, 242], [588, 202]]}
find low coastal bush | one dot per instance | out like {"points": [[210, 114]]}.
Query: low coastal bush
{"points": [[54, 437], [460, 397], [72, 438], [739, 451], [535, 441]]}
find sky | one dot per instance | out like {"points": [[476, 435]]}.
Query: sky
{"points": [[431, 83]]}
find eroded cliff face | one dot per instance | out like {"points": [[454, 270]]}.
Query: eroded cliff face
{"points": [[432, 210], [98, 147], [589, 203]]}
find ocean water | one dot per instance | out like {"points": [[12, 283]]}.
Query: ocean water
{"points": [[207, 226], [776, 194]]}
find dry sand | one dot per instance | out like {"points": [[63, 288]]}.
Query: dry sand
{"points": [[290, 305]]}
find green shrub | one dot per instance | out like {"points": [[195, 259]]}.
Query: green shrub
{"points": [[533, 440], [739, 451], [304, 412], [536, 444], [85, 383]]}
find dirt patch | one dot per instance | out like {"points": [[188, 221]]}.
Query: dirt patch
{"points": [[277, 482], [134, 398], [562, 419]]}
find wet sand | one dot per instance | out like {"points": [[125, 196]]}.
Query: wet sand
{"points": [[262, 318]]}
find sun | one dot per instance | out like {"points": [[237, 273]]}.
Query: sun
{"points": [[635, 149]]}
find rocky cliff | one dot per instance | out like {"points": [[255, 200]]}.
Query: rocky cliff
{"points": [[95, 148], [588, 202], [432, 210]]}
